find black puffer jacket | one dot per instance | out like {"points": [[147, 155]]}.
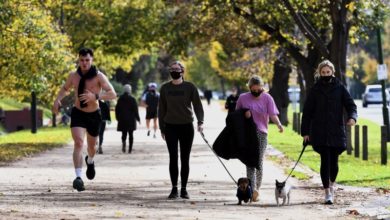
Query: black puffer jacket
{"points": [[126, 112], [323, 115], [238, 140]]}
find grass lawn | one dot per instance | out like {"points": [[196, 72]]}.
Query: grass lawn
{"points": [[352, 171], [19, 144]]}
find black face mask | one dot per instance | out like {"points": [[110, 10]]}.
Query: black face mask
{"points": [[175, 75], [326, 78], [256, 93]]}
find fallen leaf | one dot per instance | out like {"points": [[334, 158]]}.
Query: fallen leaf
{"points": [[119, 214], [193, 203], [353, 212]]}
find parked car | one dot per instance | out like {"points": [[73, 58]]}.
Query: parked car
{"points": [[373, 95]]}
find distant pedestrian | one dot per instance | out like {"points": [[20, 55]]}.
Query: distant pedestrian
{"points": [[126, 113], [323, 123], [177, 97], [106, 118], [150, 101], [208, 94], [261, 107], [231, 101]]}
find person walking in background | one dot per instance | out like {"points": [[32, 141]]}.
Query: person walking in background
{"points": [[323, 124], [175, 118], [150, 101], [126, 112], [88, 83], [106, 118], [208, 94], [261, 107], [231, 100]]}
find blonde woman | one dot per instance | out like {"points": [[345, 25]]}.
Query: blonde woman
{"points": [[261, 107], [323, 123]]}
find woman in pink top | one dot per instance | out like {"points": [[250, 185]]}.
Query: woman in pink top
{"points": [[261, 107]]}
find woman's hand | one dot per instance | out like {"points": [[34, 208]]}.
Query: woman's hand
{"points": [[306, 138], [200, 128], [351, 122], [248, 114]]}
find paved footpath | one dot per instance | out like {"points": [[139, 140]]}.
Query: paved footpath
{"points": [[135, 186]]}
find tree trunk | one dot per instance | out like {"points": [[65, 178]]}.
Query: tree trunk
{"points": [[282, 70]]}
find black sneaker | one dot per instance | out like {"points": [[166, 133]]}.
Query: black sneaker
{"points": [[174, 194], [90, 169], [78, 184], [100, 150], [148, 133], [184, 193]]}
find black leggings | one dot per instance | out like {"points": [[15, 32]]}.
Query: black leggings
{"points": [[183, 134], [131, 138], [329, 165], [101, 132]]}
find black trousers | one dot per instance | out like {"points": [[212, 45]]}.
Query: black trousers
{"points": [[183, 134], [131, 138], [101, 132], [329, 165]]}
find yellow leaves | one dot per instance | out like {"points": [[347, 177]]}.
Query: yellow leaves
{"points": [[351, 6]]}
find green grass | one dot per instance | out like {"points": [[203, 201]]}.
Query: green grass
{"points": [[19, 144], [353, 171]]}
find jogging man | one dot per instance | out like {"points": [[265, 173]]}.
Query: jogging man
{"points": [[88, 83]]}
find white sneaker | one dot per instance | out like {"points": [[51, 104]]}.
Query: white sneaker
{"points": [[329, 199]]}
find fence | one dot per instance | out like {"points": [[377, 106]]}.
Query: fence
{"points": [[356, 146]]}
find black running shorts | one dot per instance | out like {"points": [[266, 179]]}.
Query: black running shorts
{"points": [[89, 120], [151, 113]]}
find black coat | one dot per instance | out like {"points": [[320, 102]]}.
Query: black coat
{"points": [[105, 110], [323, 115], [239, 140], [126, 112]]}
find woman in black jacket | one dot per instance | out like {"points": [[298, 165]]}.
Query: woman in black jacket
{"points": [[323, 123], [126, 112]]}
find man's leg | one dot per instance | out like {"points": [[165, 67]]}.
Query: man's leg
{"points": [[78, 134], [154, 126], [91, 141], [148, 125]]}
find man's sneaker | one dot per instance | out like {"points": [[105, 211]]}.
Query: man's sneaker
{"points": [[100, 150], [78, 184], [90, 169], [174, 194], [148, 134], [329, 199], [184, 193]]}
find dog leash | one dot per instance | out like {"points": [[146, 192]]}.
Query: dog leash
{"points": [[205, 140], [303, 150]]}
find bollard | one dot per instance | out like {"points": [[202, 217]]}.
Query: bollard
{"points": [[33, 111], [365, 143], [299, 123], [54, 120], [383, 145], [294, 121], [357, 141], [349, 140]]}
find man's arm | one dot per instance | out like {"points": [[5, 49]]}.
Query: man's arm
{"points": [[64, 91], [110, 93]]}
